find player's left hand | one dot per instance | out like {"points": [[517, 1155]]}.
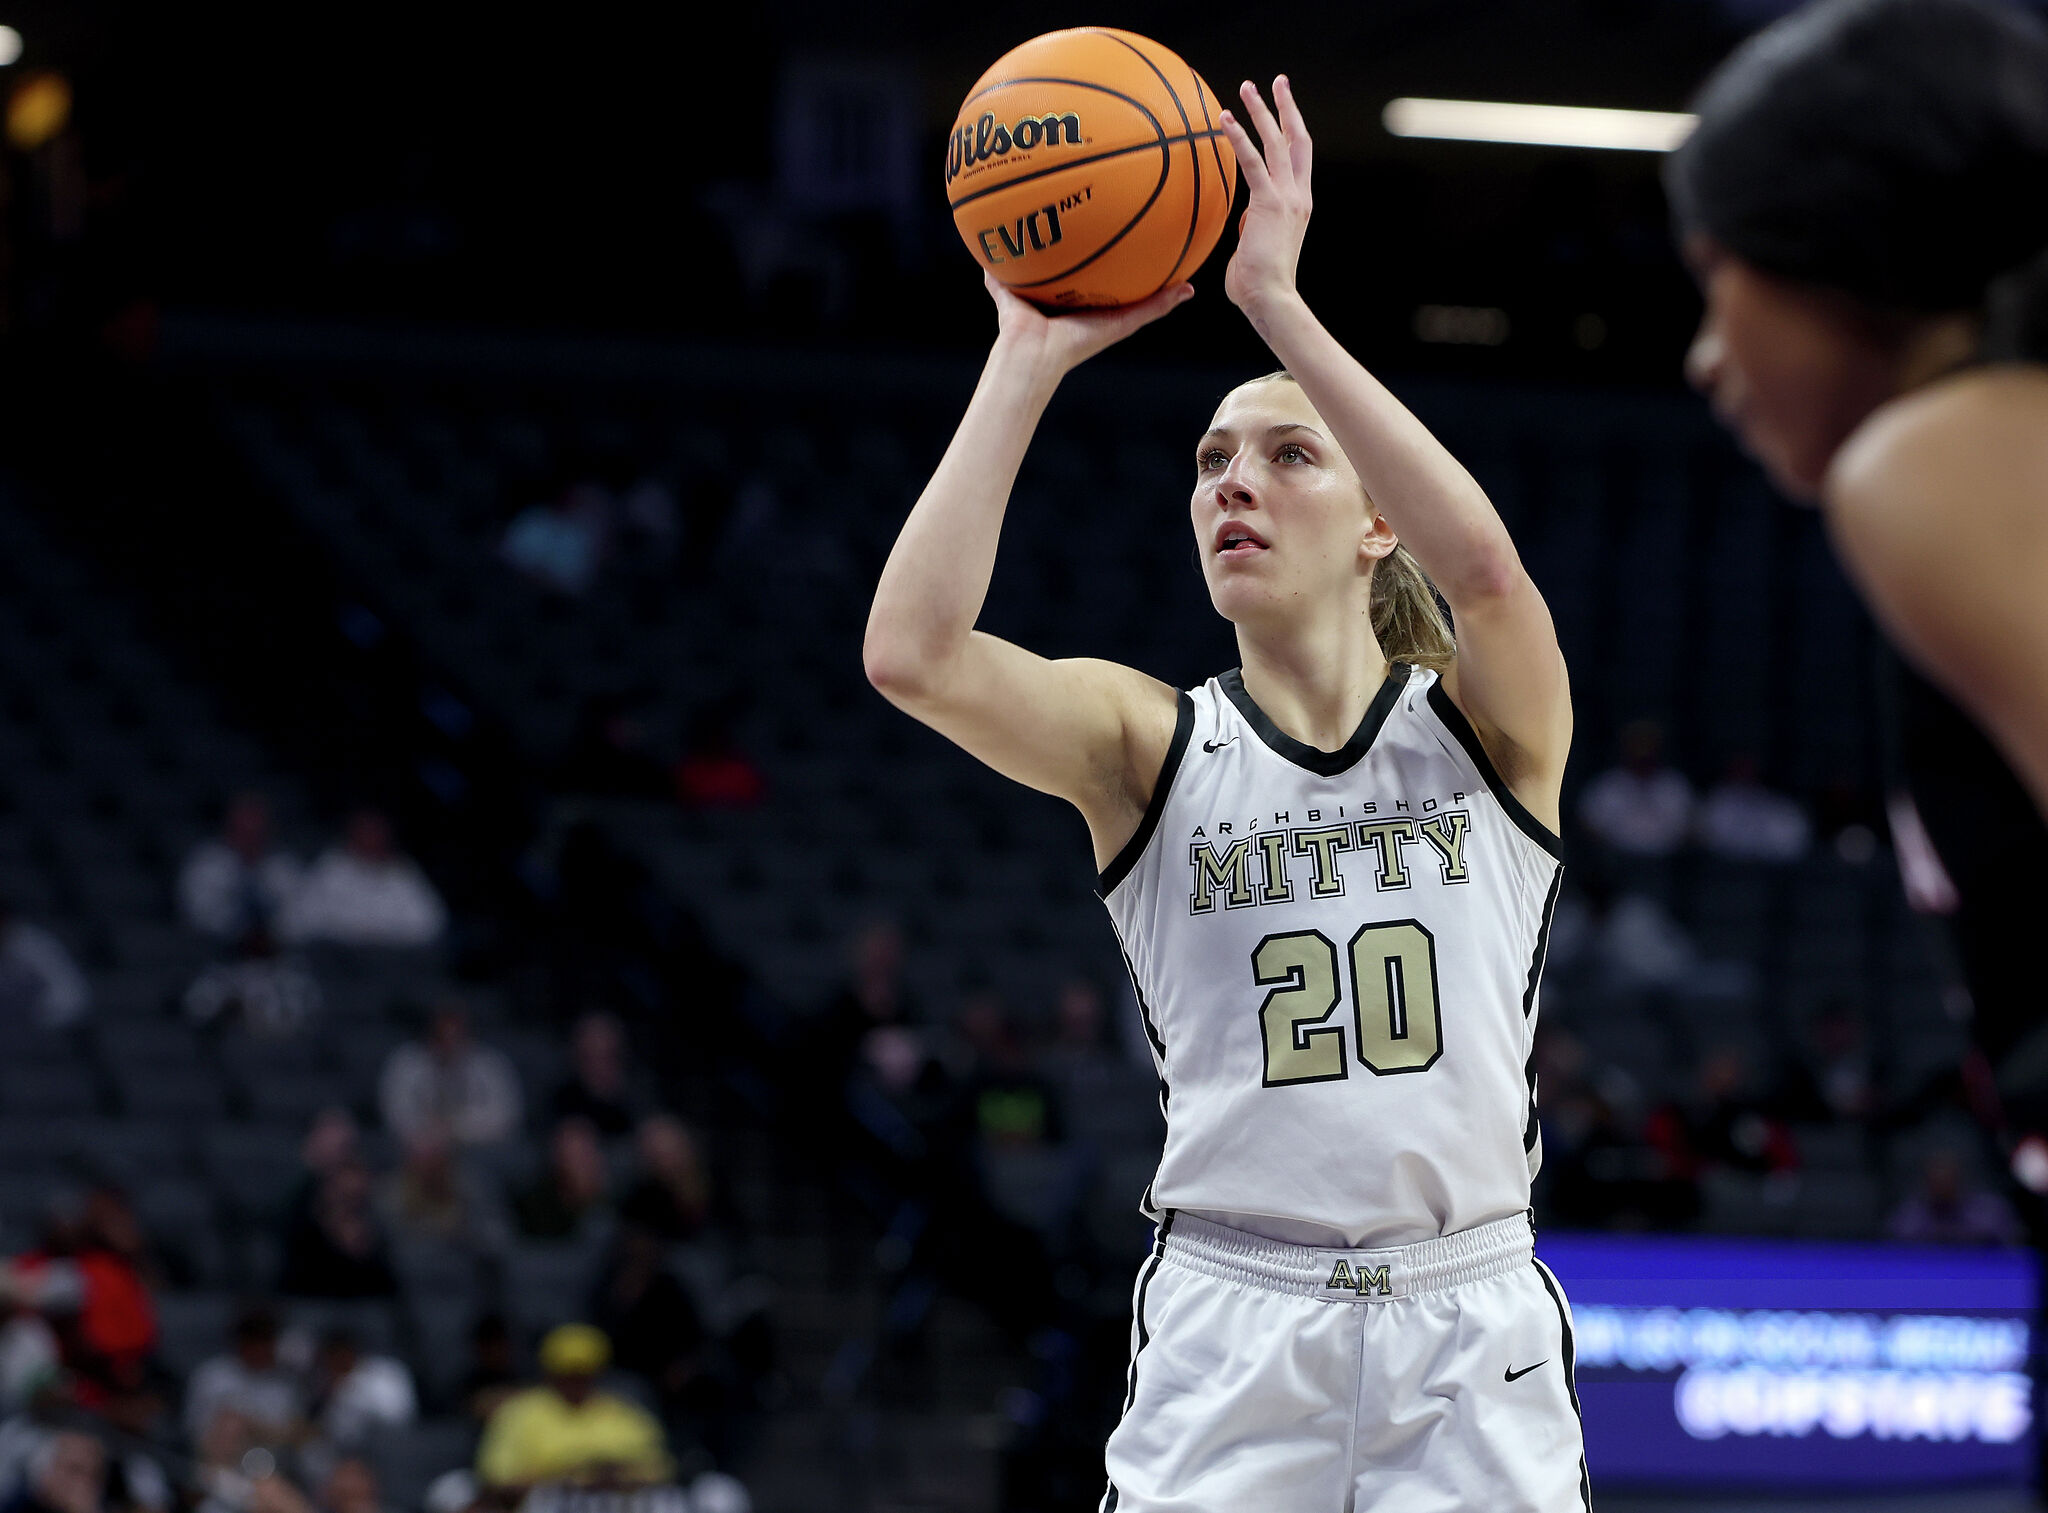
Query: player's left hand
{"points": [[1270, 232]]}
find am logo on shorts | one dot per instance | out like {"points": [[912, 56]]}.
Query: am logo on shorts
{"points": [[1363, 1282]]}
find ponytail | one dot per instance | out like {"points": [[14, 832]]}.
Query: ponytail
{"points": [[1407, 618]]}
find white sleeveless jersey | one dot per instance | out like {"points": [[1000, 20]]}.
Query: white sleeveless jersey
{"points": [[1337, 955]]}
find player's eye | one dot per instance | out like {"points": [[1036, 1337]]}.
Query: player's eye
{"points": [[1291, 453], [1212, 459]]}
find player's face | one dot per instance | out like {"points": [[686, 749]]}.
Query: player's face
{"points": [[1791, 369], [1279, 515]]}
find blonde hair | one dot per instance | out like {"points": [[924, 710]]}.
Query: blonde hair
{"points": [[1408, 618]]}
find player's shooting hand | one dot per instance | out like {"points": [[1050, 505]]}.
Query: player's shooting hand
{"points": [[1270, 232], [1065, 341]]}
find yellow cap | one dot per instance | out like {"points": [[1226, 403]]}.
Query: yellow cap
{"points": [[575, 1350]]}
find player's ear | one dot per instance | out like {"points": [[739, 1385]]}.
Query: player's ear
{"points": [[1378, 541]]}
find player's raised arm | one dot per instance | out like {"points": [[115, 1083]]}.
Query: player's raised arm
{"points": [[1510, 676], [1092, 732]]}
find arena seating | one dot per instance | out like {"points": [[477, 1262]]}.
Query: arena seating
{"points": [[1659, 552]]}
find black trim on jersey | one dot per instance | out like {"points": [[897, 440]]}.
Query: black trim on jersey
{"points": [[1536, 959], [1144, 1008], [1455, 722], [1531, 1126], [1542, 951], [1571, 1380], [1323, 763], [1111, 1497], [1121, 864], [1159, 1047]]}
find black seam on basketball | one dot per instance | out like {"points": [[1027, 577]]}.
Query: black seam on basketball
{"points": [[1165, 173], [1094, 157], [1131, 100], [1194, 155], [1222, 178]]}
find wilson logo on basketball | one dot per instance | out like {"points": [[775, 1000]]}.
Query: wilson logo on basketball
{"points": [[987, 138], [1034, 232]]}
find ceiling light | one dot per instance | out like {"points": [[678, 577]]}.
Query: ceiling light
{"points": [[1538, 125]]}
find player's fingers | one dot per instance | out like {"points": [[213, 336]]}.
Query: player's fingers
{"points": [[1300, 150], [1249, 162], [1278, 166]]}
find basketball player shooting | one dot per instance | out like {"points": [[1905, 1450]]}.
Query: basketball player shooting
{"points": [[1331, 870]]}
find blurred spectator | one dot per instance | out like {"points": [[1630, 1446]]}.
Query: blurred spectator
{"points": [[67, 1473], [561, 544], [567, 1430], [263, 990], [355, 1395], [1013, 1105], [1948, 1210], [714, 773], [350, 1487], [90, 1278], [608, 756], [874, 997], [571, 1191], [237, 1471], [1599, 1169], [365, 892], [649, 522], [597, 1088], [1642, 807], [1723, 1124], [1833, 1080], [332, 1140], [31, 1355], [249, 1383], [333, 1247], [493, 1374], [432, 1198], [1742, 819], [661, 1336], [671, 1198], [1080, 1060], [450, 1083], [456, 1491], [1627, 942], [117, 1329], [40, 984], [236, 881]]}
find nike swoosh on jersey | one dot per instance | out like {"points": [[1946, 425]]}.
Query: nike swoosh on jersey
{"points": [[1214, 746], [1513, 1375]]}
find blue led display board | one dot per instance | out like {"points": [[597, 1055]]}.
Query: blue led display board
{"points": [[1755, 1364]]}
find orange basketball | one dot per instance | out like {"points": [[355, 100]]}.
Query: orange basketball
{"points": [[1087, 168]]}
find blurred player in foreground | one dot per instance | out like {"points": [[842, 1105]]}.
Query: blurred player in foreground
{"points": [[1865, 204]]}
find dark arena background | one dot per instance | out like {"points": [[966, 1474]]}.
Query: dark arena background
{"points": [[456, 881]]}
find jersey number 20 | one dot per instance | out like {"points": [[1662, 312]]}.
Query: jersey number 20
{"points": [[1394, 1007]]}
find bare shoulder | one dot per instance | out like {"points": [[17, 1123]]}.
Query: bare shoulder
{"points": [[1534, 777], [1966, 457], [1938, 508], [1151, 710], [1148, 710]]}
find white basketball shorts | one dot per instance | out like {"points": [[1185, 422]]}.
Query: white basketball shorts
{"points": [[1434, 1378]]}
